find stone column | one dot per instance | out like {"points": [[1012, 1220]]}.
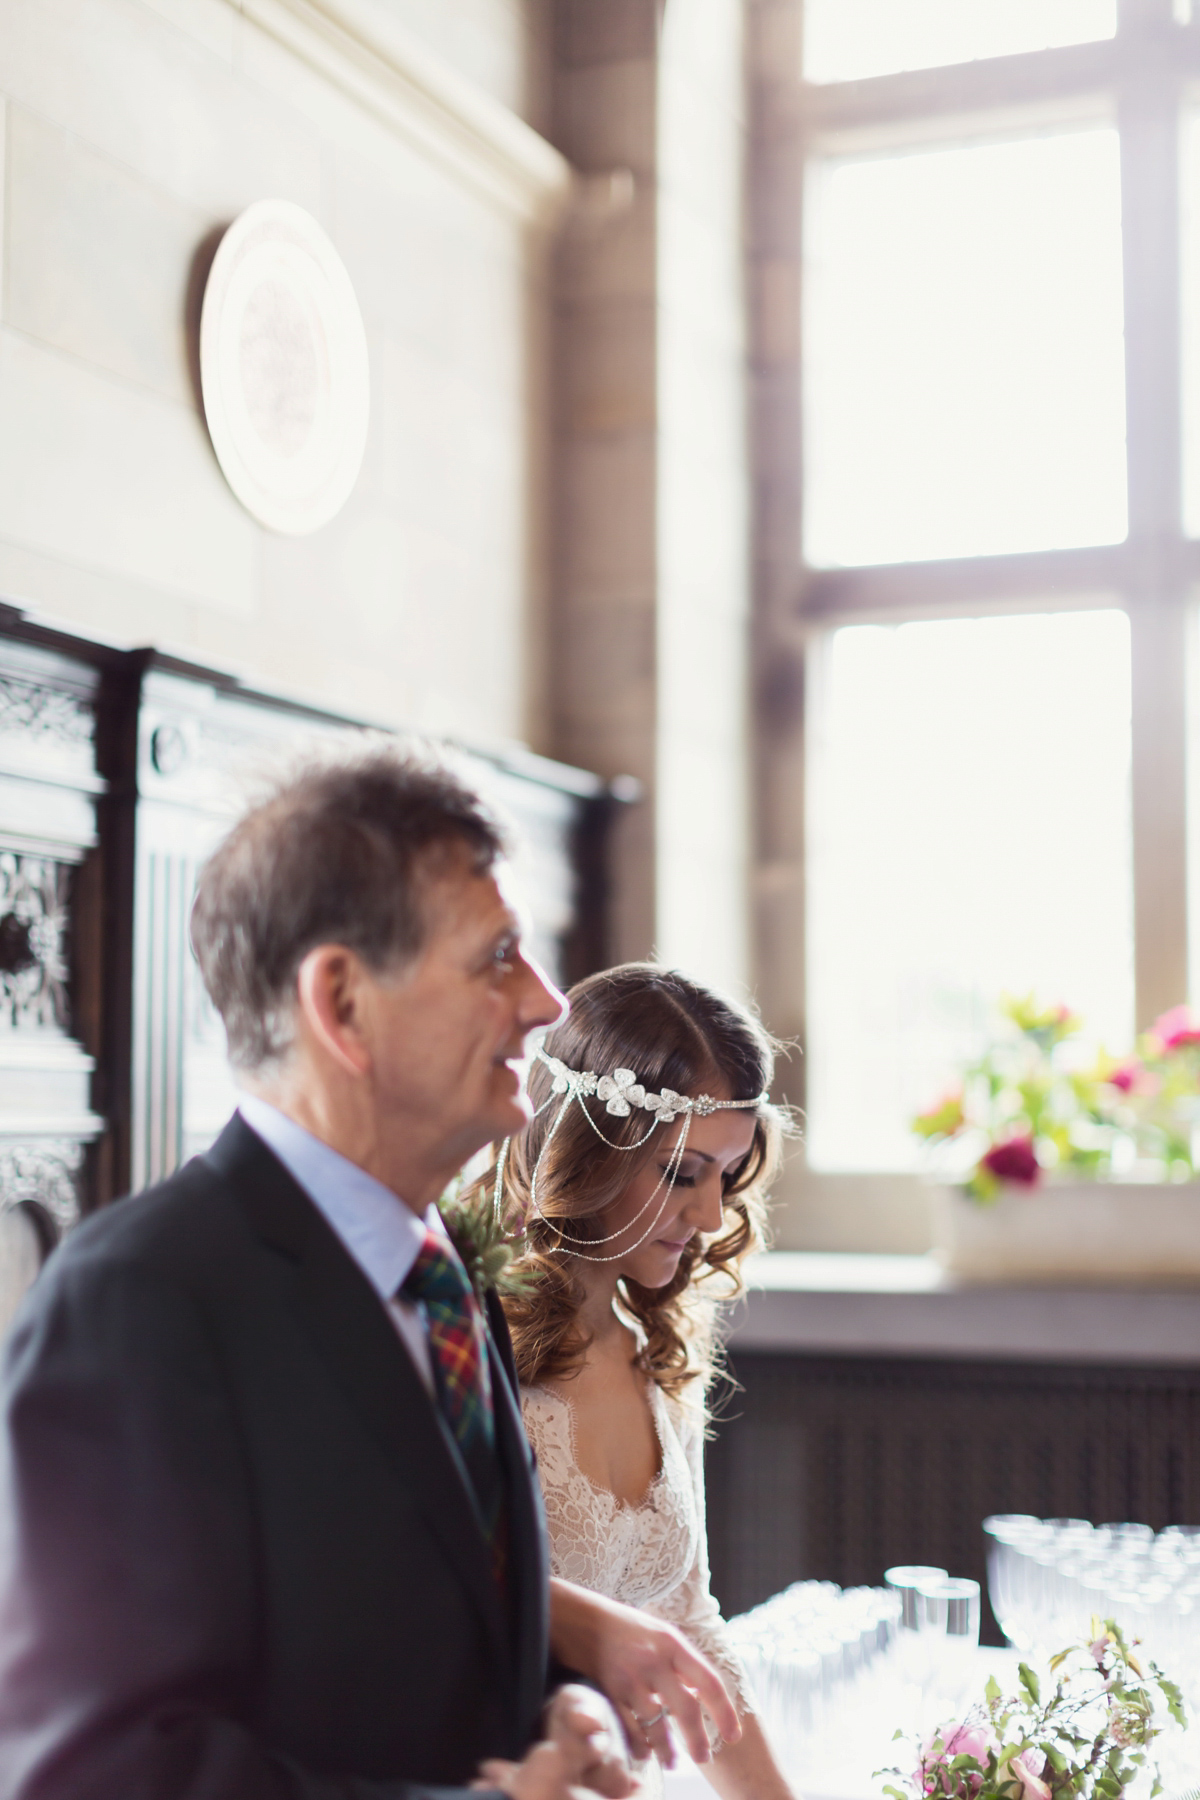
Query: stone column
{"points": [[603, 702], [704, 798], [651, 583]]}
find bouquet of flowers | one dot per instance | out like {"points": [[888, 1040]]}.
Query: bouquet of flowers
{"points": [[1031, 1103], [1086, 1741]]}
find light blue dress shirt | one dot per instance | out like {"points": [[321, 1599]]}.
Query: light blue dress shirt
{"points": [[380, 1232]]}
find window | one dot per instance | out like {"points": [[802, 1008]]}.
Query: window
{"points": [[965, 348], [846, 39], [1190, 270], [968, 836], [991, 550]]}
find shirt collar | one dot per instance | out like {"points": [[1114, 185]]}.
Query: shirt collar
{"points": [[381, 1233]]}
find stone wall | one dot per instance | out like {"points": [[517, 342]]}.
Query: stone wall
{"points": [[133, 130], [539, 203]]}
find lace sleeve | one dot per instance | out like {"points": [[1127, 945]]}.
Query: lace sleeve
{"points": [[691, 1606]]}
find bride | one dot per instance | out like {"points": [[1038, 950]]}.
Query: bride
{"points": [[640, 1188]]}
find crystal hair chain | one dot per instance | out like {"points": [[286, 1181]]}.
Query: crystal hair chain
{"points": [[573, 1247], [502, 1161], [622, 1092], [668, 1177]]}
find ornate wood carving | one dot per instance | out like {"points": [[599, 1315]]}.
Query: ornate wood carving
{"points": [[33, 927], [32, 709], [49, 789], [45, 1174]]}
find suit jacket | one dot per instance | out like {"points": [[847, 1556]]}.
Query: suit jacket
{"points": [[238, 1558]]}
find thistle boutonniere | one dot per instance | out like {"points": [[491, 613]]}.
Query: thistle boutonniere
{"points": [[486, 1249]]}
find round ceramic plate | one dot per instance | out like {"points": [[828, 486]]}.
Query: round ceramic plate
{"points": [[283, 368]]}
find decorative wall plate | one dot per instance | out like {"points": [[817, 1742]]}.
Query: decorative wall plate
{"points": [[283, 368]]}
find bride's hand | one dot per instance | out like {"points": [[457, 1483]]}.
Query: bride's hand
{"points": [[643, 1666]]}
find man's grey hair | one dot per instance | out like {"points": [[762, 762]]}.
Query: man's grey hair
{"points": [[338, 853]]}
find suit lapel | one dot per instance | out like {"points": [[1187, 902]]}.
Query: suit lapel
{"points": [[529, 1553], [343, 1315]]}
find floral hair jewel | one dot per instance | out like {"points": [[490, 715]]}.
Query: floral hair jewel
{"points": [[621, 1093]]}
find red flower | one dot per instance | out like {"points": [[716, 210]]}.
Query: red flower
{"points": [[1014, 1160]]}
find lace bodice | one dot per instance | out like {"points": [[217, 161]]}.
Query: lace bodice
{"points": [[653, 1555]]}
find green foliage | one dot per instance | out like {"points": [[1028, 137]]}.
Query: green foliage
{"points": [[1085, 1740], [487, 1251], [942, 1120]]}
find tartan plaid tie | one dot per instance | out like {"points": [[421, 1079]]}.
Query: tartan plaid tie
{"points": [[458, 1341]]}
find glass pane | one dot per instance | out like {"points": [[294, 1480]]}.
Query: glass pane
{"points": [[968, 835], [847, 39], [1193, 805], [1190, 268], [964, 351]]}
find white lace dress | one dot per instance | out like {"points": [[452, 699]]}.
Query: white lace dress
{"points": [[653, 1555]]}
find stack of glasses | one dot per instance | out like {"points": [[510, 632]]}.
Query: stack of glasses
{"points": [[808, 1650], [1048, 1578], [939, 1620]]}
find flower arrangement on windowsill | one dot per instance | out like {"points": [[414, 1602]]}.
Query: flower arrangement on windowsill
{"points": [[1031, 1106], [1089, 1739]]}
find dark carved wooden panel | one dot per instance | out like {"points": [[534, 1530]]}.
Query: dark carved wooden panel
{"points": [[50, 786], [836, 1468], [119, 772]]}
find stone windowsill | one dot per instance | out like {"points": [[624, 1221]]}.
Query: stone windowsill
{"points": [[823, 1302]]}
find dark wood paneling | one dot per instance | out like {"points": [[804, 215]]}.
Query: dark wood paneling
{"points": [[836, 1468], [119, 771]]}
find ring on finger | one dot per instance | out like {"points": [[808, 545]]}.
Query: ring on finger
{"points": [[654, 1719]]}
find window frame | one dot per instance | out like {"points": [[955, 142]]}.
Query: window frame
{"points": [[1141, 80]]}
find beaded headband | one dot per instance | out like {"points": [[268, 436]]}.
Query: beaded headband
{"points": [[621, 1093]]}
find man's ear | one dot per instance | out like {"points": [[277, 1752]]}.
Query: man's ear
{"points": [[330, 1001]]}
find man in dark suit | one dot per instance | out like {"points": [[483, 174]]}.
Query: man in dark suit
{"points": [[268, 1524]]}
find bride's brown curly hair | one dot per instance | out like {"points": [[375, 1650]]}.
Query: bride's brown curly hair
{"points": [[674, 1033]]}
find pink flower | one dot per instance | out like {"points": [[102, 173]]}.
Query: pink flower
{"points": [[1125, 1075], [1025, 1771], [1014, 1159], [1177, 1027], [957, 1740], [969, 1740]]}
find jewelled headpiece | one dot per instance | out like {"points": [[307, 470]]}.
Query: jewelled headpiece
{"points": [[622, 1094]]}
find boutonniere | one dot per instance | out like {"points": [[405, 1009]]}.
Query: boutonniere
{"points": [[485, 1248]]}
